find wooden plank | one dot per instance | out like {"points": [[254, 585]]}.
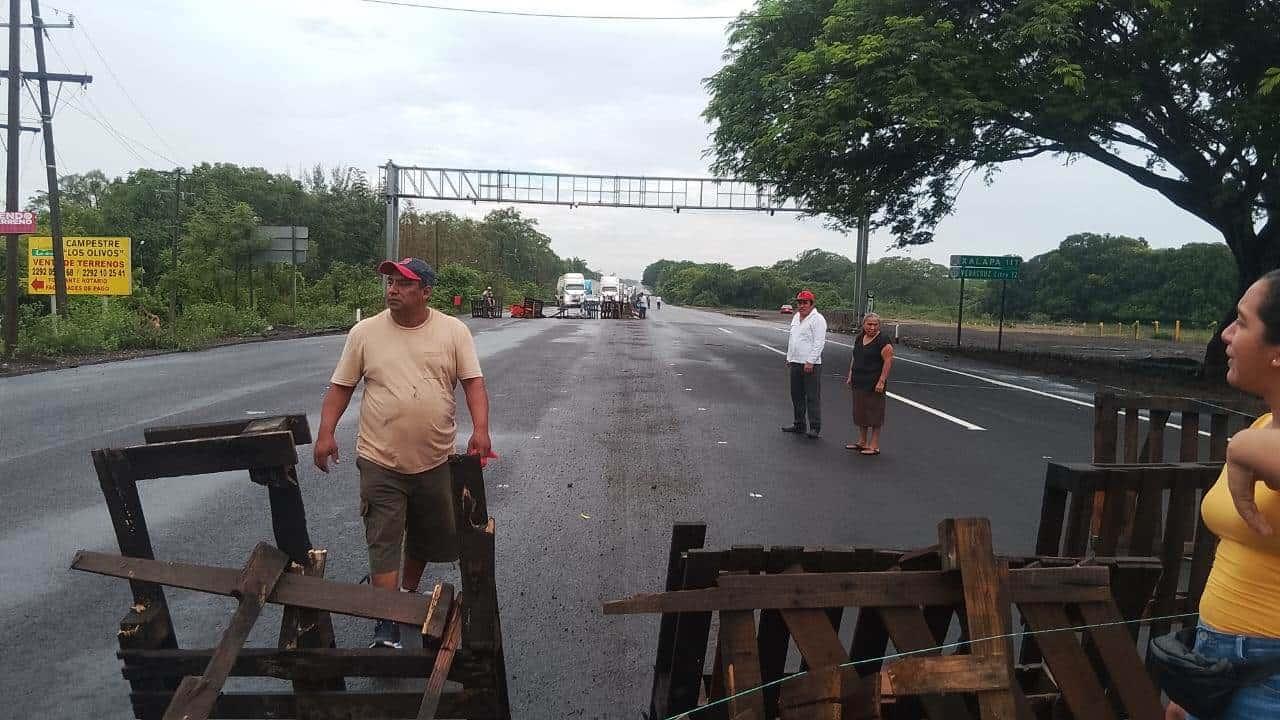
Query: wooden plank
{"points": [[773, 638], [468, 485], [1129, 680], [689, 650], [870, 641], [966, 546], [741, 664], [1178, 528], [1114, 513], [1130, 452], [1053, 515], [291, 664], [296, 424], [826, 691], [303, 628], [468, 703], [298, 590], [439, 610], [910, 632], [684, 537], [211, 455], [1158, 421], [444, 661], [1066, 660], [119, 490], [889, 589], [197, 693], [1218, 429], [935, 587], [946, 676], [289, 517], [481, 624], [1147, 521], [1189, 442], [1104, 428], [1079, 517]]}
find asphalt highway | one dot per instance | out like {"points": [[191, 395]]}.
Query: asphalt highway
{"points": [[608, 432]]}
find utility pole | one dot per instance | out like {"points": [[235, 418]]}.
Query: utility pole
{"points": [[173, 251], [860, 273], [51, 167], [11, 177]]}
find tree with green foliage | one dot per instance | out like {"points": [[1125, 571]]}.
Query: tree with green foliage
{"points": [[887, 106]]}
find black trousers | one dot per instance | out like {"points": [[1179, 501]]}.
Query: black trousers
{"points": [[806, 395]]}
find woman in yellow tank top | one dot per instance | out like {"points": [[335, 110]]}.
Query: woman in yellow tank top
{"points": [[1240, 608]]}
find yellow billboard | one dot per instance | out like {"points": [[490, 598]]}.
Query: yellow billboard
{"points": [[94, 265]]}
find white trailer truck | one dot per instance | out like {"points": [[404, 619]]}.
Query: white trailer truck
{"points": [[570, 289]]}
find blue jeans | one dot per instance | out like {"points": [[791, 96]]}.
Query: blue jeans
{"points": [[1255, 701]]}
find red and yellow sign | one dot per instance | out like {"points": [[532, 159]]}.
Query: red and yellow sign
{"points": [[94, 265]]}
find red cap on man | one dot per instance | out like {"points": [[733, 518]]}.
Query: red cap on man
{"points": [[805, 295]]}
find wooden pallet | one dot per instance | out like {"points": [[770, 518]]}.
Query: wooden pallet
{"points": [[1147, 509], [761, 615], [1139, 448], [481, 310], [462, 641]]}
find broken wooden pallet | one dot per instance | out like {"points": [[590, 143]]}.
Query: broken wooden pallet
{"points": [[1147, 509], [462, 641], [760, 615]]}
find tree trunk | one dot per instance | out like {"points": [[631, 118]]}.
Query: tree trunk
{"points": [[1256, 255]]}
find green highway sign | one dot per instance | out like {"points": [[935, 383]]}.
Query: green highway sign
{"points": [[986, 261], [985, 273]]}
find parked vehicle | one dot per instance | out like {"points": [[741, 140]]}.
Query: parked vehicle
{"points": [[610, 288], [570, 289], [786, 310]]}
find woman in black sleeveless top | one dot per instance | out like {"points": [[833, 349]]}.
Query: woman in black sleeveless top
{"points": [[868, 374]]}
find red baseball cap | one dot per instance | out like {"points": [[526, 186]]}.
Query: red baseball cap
{"points": [[805, 295], [411, 268]]}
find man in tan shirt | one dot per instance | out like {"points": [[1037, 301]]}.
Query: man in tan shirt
{"points": [[411, 358]]}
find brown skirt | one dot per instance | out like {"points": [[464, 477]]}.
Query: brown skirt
{"points": [[868, 408]]}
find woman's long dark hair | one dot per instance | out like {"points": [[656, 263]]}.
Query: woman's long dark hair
{"points": [[1269, 310]]}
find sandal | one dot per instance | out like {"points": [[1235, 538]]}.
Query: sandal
{"points": [[855, 446], [869, 451]]}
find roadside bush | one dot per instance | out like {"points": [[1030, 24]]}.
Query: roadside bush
{"points": [[324, 316], [91, 327], [203, 323]]}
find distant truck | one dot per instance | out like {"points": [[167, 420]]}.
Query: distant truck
{"points": [[610, 288], [570, 289]]}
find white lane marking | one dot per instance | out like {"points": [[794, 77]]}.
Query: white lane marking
{"points": [[726, 332], [950, 418], [1009, 385]]}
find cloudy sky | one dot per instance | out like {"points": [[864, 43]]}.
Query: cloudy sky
{"points": [[287, 84]]}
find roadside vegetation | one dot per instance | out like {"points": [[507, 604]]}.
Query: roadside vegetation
{"points": [[222, 294]]}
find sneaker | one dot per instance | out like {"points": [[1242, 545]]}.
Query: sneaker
{"points": [[793, 428], [386, 634], [812, 434]]}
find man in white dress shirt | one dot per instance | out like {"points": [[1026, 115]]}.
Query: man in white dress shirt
{"points": [[804, 364]]}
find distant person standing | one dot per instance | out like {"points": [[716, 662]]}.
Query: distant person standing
{"points": [[659, 303], [804, 366], [868, 376]]}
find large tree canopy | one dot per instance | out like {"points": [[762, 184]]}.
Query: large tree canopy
{"points": [[886, 106]]}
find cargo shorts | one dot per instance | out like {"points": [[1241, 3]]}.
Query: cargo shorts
{"points": [[414, 512]]}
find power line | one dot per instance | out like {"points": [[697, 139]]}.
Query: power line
{"points": [[110, 131], [119, 84], [103, 116], [556, 16]]}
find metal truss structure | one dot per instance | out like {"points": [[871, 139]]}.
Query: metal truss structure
{"points": [[572, 190]]}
